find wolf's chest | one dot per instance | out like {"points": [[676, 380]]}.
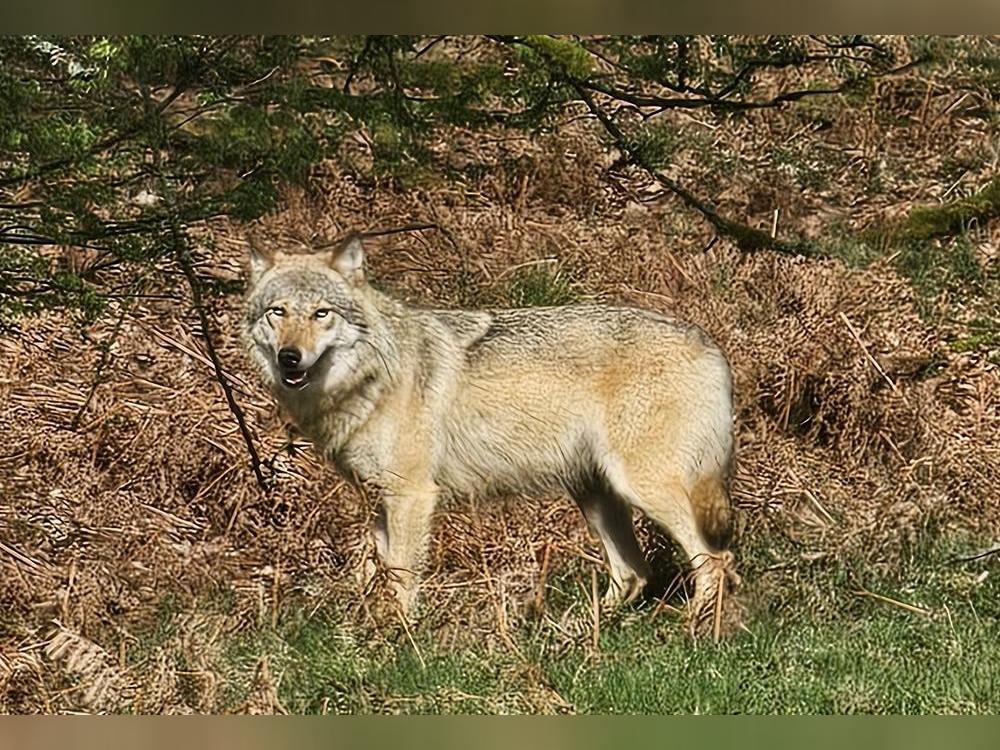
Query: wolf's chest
{"points": [[360, 461]]}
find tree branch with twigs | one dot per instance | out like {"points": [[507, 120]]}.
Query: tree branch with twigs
{"points": [[588, 84]]}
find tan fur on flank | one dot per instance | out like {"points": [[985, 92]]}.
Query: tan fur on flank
{"points": [[622, 408]]}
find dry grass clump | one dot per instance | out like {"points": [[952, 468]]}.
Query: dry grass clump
{"points": [[858, 428]]}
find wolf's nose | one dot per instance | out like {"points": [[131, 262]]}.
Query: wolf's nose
{"points": [[289, 357]]}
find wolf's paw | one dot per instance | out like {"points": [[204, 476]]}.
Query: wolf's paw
{"points": [[385, 600], [715, 622], [383, 613], [715, 611], [622, 592]]}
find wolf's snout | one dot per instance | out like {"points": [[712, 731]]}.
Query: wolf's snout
{"points": [[289, 357]]}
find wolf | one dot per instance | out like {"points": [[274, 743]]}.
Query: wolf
{"points": [[622, 408]]}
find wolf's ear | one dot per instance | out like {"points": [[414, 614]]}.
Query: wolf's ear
{"points": [[260, 261], [348, 259]]}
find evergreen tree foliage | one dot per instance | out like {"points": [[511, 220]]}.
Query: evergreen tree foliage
{"points": [[122, 145]]}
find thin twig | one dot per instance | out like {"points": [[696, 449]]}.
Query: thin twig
{"points": [[542, 578], [182, 255], [409, 636], [430, 45], [868, 354], [238, 383], [717, 624], [418, 227], [356, 65], [747, 238], [23, 558], [104, 145], [596, 642], [895, 602], [995, 550]]}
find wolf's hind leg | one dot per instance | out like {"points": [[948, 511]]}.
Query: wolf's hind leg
{"points": [[611, 519], [670, 505]]}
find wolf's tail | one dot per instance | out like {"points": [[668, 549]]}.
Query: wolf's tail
{"points": [[709, 492], [712, 510]]}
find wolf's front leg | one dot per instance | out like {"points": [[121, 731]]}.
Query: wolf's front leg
{"points": [[402, 534]]}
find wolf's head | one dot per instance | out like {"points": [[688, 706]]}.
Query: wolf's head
{"points": [[305, 315]]}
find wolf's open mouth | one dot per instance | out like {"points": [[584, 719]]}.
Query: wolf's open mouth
{"points": [[295, 379]]}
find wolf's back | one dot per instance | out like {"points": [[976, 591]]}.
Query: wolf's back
{"points": [[660, 384]]}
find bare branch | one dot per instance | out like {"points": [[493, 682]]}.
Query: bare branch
{"points": [[746, 237], [184, 261], [420, 227]]}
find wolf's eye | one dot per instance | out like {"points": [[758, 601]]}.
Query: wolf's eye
{"points": [[320, 314], [279, 311]]}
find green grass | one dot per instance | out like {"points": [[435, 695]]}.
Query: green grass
{"points": [[854, 250], [984, 336], [881, 664], [541, 283], [948, 278], [540, 286], [935, 268], [852, 655]]}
